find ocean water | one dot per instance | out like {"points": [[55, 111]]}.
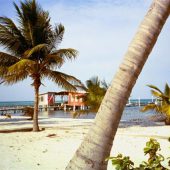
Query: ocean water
{"points": [[16, 103], [31, 103], [128, 113]]}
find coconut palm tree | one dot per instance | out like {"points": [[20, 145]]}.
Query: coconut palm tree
{"points": [[96, 90], [163, 105], [33, 50], [96, 146]]}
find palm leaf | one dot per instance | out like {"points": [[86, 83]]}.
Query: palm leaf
{"points": [[53, 60], [68, 53], [160, 96], [12, 78], [7, 59], [10, 25], [11, 37], [166, 109], [18, 71], [65, 81], [167, 90], [156, 94], [20, 15], [3, 71], [59, 29], [155, 88], [57, 59], [151, 106], [25, 65], [35, 49]]}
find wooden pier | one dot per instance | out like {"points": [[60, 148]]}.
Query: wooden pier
{"points": [[16, 109]]}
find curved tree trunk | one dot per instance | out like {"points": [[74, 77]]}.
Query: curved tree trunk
{"points": [[35, 116], [97, 144]]}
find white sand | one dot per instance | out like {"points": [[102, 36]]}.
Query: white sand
{"points": [[36, 151]]}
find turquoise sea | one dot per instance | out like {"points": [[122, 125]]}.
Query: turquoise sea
{"points": [[31, 103], [129, 113], [16, 103]]}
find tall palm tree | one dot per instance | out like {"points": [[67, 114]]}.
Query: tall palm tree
{"points": [[97, 144], [96, 90], [163, 105], [33, 47]]}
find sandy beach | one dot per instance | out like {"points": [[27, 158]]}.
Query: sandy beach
{"points": [[52, 148]]}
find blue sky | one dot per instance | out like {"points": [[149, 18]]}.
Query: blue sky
{"points": [[101, 31]]}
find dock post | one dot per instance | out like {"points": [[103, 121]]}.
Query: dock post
{"points": [[74, 108], [139, 101], [64, 107]]}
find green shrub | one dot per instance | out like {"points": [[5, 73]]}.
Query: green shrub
{"points": [[154, 161]]}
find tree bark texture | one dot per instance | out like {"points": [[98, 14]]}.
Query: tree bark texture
{"points": [[97, 144], [35, 116]]}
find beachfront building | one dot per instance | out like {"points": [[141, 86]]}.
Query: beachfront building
{"points": [[64, 100]]}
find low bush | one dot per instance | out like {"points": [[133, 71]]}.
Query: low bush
{"points": [[154, 161]]}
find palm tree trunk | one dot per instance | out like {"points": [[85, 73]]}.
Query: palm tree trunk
{"points": [[35, 116], [97, 144]]}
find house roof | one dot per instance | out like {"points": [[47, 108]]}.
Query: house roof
{"points": [[64, 92]]}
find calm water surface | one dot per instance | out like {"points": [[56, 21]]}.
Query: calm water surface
{"points": [[128, 114]]}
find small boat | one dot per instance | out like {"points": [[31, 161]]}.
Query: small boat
{"points": [[129, 104]]}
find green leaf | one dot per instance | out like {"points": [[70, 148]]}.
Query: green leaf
{"points": [[35, 49]]}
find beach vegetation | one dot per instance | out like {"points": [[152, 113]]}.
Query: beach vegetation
{"points": [[154, 161], [33, 51], [162, 103], [95, 91]]}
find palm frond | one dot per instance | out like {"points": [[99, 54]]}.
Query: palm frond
{"points": [[156, 94], [59, 29], [105, 84], [7, 59], [15, 77], [65, 81], [68, 53], [151, 106], [20, 15], [52, 61], [93, 82], [155, 88], [167, 90], [57, 59], [56, 37], [3, 72], [11, 37], [35, 49], [10, 25], [25, 65], [166, 109], [163, 106], [160, 96], [18, 71]]}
